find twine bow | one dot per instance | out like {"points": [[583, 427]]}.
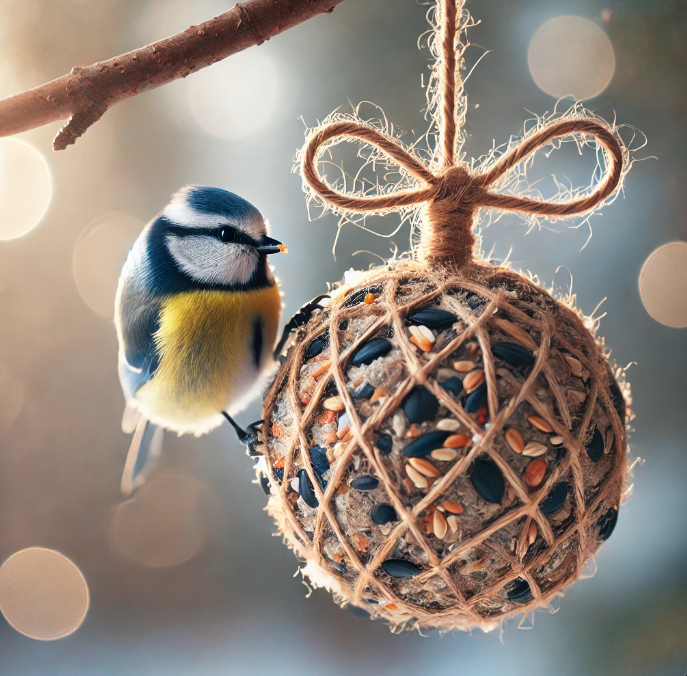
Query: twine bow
{"points": [[454, 194]]}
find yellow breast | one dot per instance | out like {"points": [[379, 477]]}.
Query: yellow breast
{"points": [[206, 343]]}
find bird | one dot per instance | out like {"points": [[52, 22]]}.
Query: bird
{"points": [[196, 313]]}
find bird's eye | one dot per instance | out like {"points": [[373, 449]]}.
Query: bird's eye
{"points": [[227, 234]]}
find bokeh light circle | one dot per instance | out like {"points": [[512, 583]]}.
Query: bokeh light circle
{"points": [[99, 254], [165, 524], [25, 188], [663, 284], [43, 595], [236, 97], [11, 397], [571, 56]]}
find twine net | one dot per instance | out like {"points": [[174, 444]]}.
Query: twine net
{"points": [[465, 576]]}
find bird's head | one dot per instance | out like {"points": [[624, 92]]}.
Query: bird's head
{"points": [[216, 237]]}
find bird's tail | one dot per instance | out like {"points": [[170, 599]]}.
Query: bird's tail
{"points": [[144, 452]]}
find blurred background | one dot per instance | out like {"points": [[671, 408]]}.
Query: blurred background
{"points": [[186, 578]]}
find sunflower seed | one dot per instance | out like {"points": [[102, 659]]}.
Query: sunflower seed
{"points": [[534, 472], [555, 499], [418, 479], [444, 454], [439, 524], [424, 467], [384, 443], [532, 533], [452, 522], [399, 424], [420, 405], [457, 441], [520, 592], [365, 483], [295, 483], [315, 348], [333, 404], [425, 444], [556, 441], [473, 380], [576, 397], [448, 425], [534, 449], [515, 440], [426, 333], [540, 424], [453, 385], [575, 365], [452, 507], [487, 480], [433, 317], [400, 568], [318, 459], [513, 354], [306, 490], [607, 524], [383, 513], [365, 391], [595, 446], [373, 349], [476, 399], [464, 366]]}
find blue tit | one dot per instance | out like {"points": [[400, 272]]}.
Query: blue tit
{"points": [[196, 313]]}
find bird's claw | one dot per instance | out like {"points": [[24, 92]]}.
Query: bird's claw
{"points": [[301, 318]]}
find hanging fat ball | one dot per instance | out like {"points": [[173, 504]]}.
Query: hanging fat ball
{"points": [[458, 435]]}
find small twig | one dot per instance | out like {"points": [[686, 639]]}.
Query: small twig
{"points": [[85, 94]]}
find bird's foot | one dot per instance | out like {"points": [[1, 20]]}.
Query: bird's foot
{"points": [[301, 318], [248, 437]]}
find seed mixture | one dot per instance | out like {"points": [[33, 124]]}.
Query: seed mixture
{"points": [[444, 450]]}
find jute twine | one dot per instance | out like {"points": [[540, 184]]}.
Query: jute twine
{"points": [[512, 309]]}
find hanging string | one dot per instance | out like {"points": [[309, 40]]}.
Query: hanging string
{"points": [[453, 195]]}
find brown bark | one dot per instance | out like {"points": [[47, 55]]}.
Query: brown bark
{"points": [[85, 94]]}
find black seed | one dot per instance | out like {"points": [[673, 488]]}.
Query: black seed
{"points": [[473, 301], [400, 568], [555, 499], [513, 354], [265, 484], [433, 318], [454, 385], [343, 324], [359, 296], [318, 458], [425, 444], [618, 401], [607, 524], [420, 405], [373, 349], [315, 348], [278, 474], [476, 399], [338, 567], [357, 611], [595, 447], [365, 483], [521, 592], [384, 443], [306, 490], [488, 481], [382, 514], [365, 391]]}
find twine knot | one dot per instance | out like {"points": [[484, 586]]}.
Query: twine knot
{"points": [[453, 196]]}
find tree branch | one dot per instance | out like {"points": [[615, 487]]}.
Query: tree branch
{"points": [[85, 94]]}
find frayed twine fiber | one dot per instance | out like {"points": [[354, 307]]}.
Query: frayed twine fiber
{"points": [[521, 529]]}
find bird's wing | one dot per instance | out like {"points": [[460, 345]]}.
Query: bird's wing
{"points": [[138, 319], [144, 452]]}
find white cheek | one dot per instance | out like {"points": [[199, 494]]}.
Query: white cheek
{"points": [[208, 260]]}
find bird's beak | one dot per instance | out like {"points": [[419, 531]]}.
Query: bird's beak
{"points": [[271, 246]]}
